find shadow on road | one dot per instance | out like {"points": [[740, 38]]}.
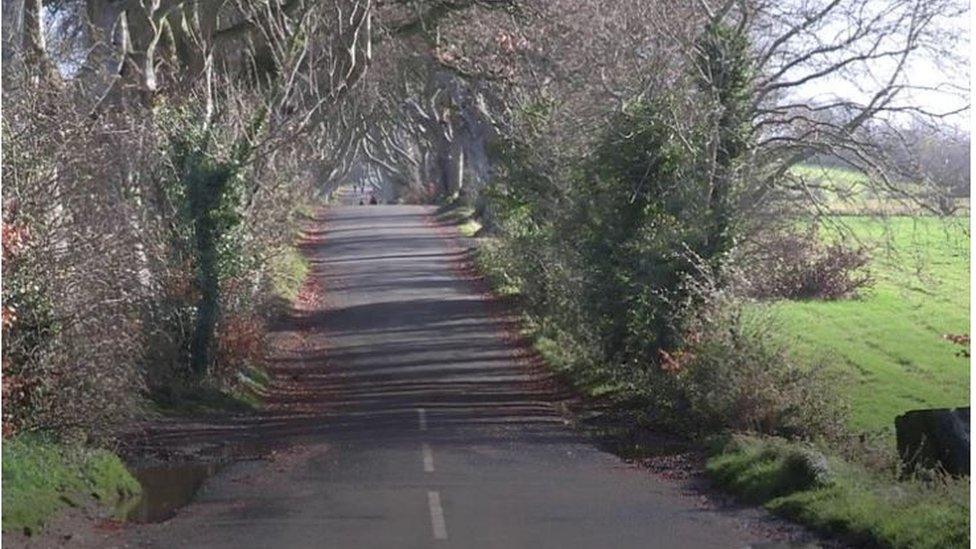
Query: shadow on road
{"points": [[397, 332]]}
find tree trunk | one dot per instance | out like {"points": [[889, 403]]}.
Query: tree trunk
{"points": [[457, 179], [206, 187], [445, 168], [41, 69]]}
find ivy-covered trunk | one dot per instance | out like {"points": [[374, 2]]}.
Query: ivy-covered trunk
{"points": [[723, 60], [210, 192], [207, 187]]}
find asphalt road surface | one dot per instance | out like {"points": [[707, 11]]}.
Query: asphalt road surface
{"points": [[413, 424]]}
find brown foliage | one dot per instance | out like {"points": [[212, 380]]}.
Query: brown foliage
{"points": [[798, 265]]}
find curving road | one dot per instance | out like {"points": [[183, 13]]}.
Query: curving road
{"points": [[411, 422]]}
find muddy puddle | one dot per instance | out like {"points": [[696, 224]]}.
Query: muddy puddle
{"points": [[166, 488], [169, 486]]}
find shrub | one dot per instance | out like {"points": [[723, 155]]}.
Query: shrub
{"points": [[788, 264], [28, 329], [76, 264], [240, 344], [617, 268], [735, 373], [103, 275]]}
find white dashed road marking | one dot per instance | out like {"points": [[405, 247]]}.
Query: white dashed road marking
{"points": [[422, 417], [428, 458], [436, 515]]}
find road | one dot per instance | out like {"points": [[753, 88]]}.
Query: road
{"points": [[413, 423]]}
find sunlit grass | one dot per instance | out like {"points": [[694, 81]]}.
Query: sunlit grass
{"points": [[41, 477], [867, 508], [889, 342], [841, 190]]}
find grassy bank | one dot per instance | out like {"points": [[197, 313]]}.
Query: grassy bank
{"points": [[889, 342], [288, 271], [460, 215], [836, 497], [41, 477]]}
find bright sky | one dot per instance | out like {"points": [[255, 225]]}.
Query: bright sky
{"points": [[940, 83]]}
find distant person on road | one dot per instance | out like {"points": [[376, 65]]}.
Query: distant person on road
{"points": [[372, 200]]}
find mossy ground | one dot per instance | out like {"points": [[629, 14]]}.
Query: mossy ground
{"points": [[41, 476]]}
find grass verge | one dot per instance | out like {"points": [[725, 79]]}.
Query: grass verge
{"points": [[839, 498], [40, 477], [193, 399], [288, 271], [460, 215]]}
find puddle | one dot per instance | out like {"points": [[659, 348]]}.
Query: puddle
{"points": [[166, 488]]}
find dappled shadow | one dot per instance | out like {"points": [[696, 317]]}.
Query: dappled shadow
{"points": [[400, 330]]}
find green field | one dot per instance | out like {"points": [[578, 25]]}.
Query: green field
{"points": [[889, 342], [846, 191]]}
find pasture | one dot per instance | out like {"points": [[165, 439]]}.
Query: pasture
{"points": [[888, 343]]}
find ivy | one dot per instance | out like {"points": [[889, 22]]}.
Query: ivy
{"points": [[208, 190]]}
